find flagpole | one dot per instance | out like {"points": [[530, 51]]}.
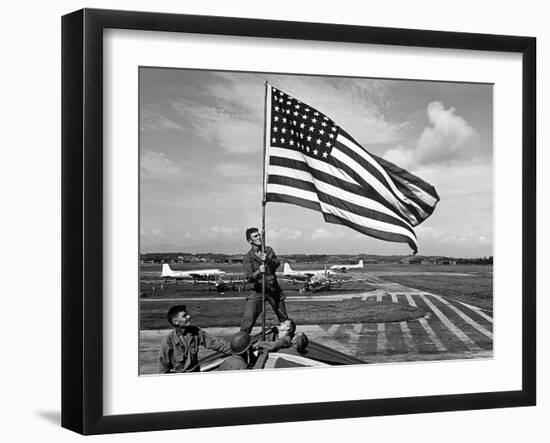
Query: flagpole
{"points": [[264, 201]]}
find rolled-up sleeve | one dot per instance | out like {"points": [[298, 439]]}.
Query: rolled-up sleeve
{"points": [[164, 360], [249, 269], [214, 343]]}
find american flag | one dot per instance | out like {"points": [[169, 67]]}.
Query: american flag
{"points": [[312, 162]]}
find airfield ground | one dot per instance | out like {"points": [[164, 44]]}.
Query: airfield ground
{"points": [[394, 313]]}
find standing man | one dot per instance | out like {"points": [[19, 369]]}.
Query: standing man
{"points": [[253, 263]]}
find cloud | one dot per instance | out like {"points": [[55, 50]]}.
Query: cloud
{"points": [[152, 234], [154, 121], [234, 131], [283, 234], [354, 104], [428, 235], [448, 138], [320, 233], [218, 232], [155, 165]]}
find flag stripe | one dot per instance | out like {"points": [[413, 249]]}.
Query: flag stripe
{"points": [[406, 176], [421, 198], [329, 185], [375, 189], [323, 171], [376, 233], [293, 200], [340, 203], [362, 157], [275, 191], [364, 221], [311, 162]]}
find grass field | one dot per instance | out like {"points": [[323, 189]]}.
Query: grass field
{"points": [[210, 313], [469, 284], [475, 289]]}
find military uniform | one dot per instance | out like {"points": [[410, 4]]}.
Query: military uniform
{"points": [[180, 348], [233, 363], [273, 292]]}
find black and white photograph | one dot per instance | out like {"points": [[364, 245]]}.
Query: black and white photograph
{"points": [[292, 221]]}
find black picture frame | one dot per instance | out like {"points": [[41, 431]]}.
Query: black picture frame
{"points": [[82, 218]]}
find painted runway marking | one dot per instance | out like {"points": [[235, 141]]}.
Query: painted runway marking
{"points": [[381, 340], [464, 317], [423, 322], [450, 325], [411, 347], [478, 311], [332, 343], [433, 337], [355, 334]]}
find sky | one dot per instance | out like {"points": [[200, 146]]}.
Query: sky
{"points": [[201, 160]]}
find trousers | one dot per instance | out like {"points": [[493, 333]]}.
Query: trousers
{"points": [[253, 308]]}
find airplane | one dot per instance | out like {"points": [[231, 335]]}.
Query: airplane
{"points": [[345, 268], [304, 274], [194, 275], [316, 280]]}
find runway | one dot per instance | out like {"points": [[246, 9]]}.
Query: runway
{"points": [[450, 330]]}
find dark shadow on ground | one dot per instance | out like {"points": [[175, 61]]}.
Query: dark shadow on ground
{"points": [[54, 417]]}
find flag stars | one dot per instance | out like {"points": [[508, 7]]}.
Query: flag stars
{"points": [[301, 128]]}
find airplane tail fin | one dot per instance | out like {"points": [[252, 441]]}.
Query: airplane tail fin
{"points": [[287, 269], [360, 263], [166, 270]]}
